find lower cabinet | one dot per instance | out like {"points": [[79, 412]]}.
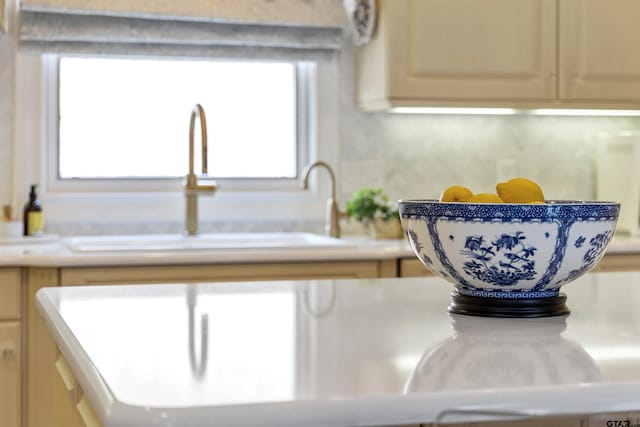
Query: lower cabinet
{"points": [[43, 390], [619, 262], [228, 272], [11, 373], [412, 267], [71, 408]]}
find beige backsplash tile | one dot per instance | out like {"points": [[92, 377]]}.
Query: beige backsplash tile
{"points": [[419, 156]]}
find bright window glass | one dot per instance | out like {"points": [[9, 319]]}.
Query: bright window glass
{"points": [[129, 118]]}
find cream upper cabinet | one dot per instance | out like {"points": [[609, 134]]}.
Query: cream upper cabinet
{"points": [[600, 51], [450, 52], [502, 53]]}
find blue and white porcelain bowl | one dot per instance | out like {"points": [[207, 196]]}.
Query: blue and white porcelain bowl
{"points": [[508, 255]]}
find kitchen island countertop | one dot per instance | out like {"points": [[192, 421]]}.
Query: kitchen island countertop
{"points": [[341, 352]]}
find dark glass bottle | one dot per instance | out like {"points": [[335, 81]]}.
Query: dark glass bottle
{"points": [[33, 219]]}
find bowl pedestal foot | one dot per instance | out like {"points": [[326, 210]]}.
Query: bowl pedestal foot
{"points": [[506, 307]]}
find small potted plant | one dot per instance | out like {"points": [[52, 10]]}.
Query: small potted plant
{"points": [[372, 208]]}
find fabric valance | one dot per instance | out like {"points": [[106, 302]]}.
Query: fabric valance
{"points": [[278, 28]]}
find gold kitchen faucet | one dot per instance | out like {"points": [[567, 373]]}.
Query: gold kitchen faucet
{"points": [[192, 186]]}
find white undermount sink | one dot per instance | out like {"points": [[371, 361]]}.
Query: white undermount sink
{"points": [[209, 241]]}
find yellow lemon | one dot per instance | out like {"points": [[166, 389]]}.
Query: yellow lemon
{"points": [[457, 193], [485, 198], [520, 190]]}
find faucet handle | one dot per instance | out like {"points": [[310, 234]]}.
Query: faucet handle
{"points": [[200, 184], [210, 188]]}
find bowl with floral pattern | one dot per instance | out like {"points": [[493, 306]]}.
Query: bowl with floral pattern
{"points": [[508, 259]]}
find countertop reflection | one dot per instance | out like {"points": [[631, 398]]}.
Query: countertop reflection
{"points": [[339, 352], [485, 353]]}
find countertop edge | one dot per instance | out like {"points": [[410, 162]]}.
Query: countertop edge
{"points": [[358, 249]]}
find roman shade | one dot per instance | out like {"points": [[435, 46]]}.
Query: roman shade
{"points": [[230, 28]]}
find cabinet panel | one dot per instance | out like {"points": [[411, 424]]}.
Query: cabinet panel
{"points": [[10, 293], [494, 49], [10, 379], [222, 272], [42, 383], [412, 267], [445, 51], [86, 414], [599, 45], [66, 396], [619, 262]]}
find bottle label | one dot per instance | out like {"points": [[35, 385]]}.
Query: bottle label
{"points": [[35, 223]]}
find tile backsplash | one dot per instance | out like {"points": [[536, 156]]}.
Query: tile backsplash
{"points": [[418, 156], [414, 156]]}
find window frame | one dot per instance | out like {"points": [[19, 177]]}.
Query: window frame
{"points": [[84, 210], [51, 71]]}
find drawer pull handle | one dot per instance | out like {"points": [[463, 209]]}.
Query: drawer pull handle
{"points": [[68, 380], [86, 413], [8, 353]]}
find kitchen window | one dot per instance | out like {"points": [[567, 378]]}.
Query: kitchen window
{"points": [[82, 196], [83, 153], [124, 123]]}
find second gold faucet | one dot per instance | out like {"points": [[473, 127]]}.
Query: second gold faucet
{"points": [[333, 215]]}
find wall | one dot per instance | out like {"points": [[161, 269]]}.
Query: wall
{"points": [[417, 156]]}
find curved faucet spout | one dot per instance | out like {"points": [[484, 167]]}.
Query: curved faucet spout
{"points": [[332, 226], [320, 163], [198, 113]]}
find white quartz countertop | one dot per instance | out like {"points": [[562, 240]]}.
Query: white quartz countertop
{"points": [[341, 352], [164, 249], [52, 251]]}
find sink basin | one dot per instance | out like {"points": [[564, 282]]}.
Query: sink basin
{"points": [[212, 241]]}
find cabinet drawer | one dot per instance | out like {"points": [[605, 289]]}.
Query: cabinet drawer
{"points": [[10, 293], [10, 374], [412, 267], [89, 418], [66, 395]]}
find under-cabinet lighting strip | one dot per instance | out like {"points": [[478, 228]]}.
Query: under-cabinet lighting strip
{"points": [[453, 110], [561, 112], [512, 111]]}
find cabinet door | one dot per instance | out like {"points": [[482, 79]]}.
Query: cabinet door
{"points": [[41, 355], [66, 397], [600, 51], [466, 50], [10, 389], [10, 279], [412, 267]]}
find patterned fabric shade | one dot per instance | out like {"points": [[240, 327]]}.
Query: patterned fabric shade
{"points": [[292, 29]]}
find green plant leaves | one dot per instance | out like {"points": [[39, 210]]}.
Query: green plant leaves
{"points": [[368, 204]]}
